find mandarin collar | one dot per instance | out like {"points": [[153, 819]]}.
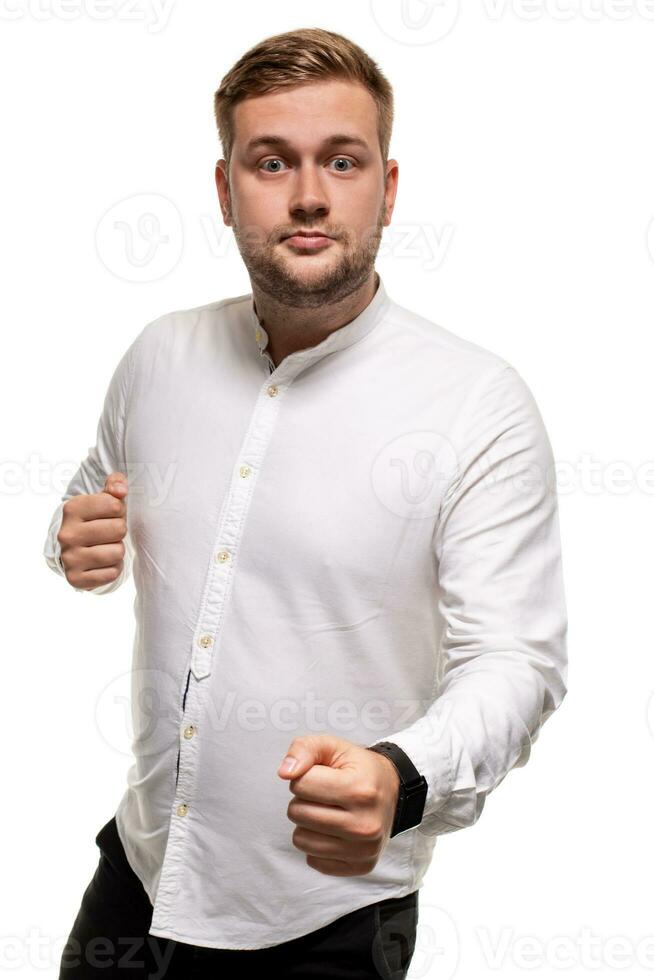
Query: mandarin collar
{"points": [[339, 339]]}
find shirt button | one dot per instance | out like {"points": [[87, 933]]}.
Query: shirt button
{"points": [[182, 810], [222, 556], [245, 471], [258, 335], [189, 731], [205, 641], [272, 390]]}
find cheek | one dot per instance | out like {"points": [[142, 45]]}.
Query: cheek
{"points": [[360, 215], [257, 209]]}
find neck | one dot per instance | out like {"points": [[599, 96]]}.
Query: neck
{"points": [[291, 328]]}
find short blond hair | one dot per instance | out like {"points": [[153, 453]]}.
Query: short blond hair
{"points": [[294, 58]]}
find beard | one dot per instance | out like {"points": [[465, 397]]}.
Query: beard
{"points": [[322, 280]]}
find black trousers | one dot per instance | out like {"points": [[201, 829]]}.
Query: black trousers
{"points": [[110, 937]]}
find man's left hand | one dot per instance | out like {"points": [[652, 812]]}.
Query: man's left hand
{"points": [[344, 801]]}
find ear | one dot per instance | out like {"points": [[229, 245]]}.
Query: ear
{"points": [[222, 186], [390, 189]]}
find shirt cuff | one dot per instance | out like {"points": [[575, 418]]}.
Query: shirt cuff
{"points": [[452, 802]]}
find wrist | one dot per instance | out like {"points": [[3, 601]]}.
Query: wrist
{"points": [[394, 776], [412, 791]]}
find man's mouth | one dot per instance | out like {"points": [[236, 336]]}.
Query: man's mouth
{"points": [[308, 240]]}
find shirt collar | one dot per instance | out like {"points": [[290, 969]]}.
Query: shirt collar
{"points": [[339, 339]]}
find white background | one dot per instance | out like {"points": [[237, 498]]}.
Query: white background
{"points": [[523, 223]]}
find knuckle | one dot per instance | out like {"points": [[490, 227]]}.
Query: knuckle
{"points": [[67, 535], [73, 504], [365, 794], [369, 830]]}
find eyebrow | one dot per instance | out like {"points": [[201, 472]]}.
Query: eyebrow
{"points": [[338, 139]]}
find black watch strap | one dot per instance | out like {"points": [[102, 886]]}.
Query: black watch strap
{"points": [[412, 791]]}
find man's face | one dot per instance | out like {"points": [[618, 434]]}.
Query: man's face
{"points": [[308, 182]]}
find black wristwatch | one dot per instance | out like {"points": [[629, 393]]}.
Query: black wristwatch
{"points": [[413, 787]]}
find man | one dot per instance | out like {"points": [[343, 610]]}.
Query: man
{"points": [[349, 598]]}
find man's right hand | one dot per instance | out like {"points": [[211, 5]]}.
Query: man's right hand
{"points": [[91, 534]]}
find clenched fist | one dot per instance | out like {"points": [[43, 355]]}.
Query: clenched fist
{"points": [[344, 801], [91, 534]]}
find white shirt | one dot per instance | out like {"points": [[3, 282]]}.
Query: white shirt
{"points": [[362, 540]]}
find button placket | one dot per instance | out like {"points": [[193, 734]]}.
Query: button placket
{"points": [[181, 810], [220, 574], [206, 641]]}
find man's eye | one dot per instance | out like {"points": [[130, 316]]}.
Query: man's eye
{"points": [[342, 160], [275, 160]]}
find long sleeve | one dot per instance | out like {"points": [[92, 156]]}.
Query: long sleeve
{"points": [[501, 595], [105, 457]]}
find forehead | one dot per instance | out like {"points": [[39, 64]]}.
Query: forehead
{"points": [[309, 113]]}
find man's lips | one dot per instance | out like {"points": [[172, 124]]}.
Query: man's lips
{"points": [[301, 240]]}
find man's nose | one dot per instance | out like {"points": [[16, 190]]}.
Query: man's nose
{"points": [[309, 193]]}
